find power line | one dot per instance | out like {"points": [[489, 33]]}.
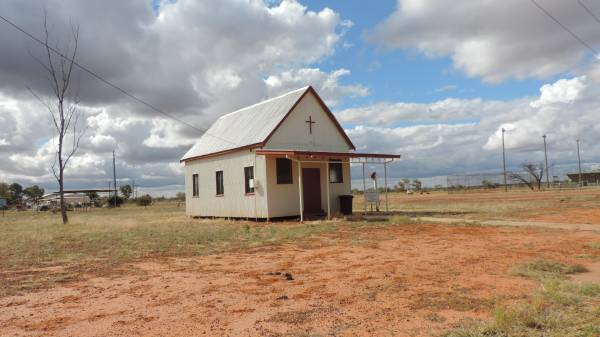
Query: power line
{"points": [[564, 27], [588, 10], [100, 78]]}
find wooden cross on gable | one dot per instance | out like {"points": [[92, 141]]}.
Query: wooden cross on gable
{"points": [[310, 123]]}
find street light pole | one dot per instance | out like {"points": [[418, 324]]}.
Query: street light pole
{"points": [[115, 181], [579, 161], [546, 158], [504, 161]]}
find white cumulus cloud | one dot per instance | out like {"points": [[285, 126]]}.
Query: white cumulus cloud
{"points": [[494, 40]]}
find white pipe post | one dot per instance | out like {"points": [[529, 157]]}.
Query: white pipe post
{"points": [[300, 190], [364, 187], [386, 186], [328, 201], [254, 172]]}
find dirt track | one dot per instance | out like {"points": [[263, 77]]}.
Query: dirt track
{"points": [[513, 223], [406, 280]]}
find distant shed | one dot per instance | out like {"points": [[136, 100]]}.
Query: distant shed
{"points": [[586, 177]]}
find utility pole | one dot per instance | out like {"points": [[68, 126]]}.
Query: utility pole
{"points": [[546, 158], [114, 180], [133, 187], [579, 161], [504, 161]]}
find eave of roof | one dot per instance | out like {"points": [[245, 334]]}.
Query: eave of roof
{"points": [[220, 153], [326, 154]]}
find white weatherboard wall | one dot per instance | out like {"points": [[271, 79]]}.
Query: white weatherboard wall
{"points": [[284, 199], [234, 202], [294, 134]]}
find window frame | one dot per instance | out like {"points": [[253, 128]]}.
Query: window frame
{"points": [[280, 180], [222, 183], [336, 163], [195, 185], [247, 189]]}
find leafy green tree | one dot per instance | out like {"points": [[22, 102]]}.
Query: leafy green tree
{"points": [[16, 192], [180, 196], [4, 191], [126, 191], [34, 193]]}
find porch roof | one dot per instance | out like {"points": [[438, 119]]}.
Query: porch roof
{"points": [[299, 156], [294, 153]]}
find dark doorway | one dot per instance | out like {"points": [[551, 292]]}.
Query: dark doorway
{"points": [[311, 185]]}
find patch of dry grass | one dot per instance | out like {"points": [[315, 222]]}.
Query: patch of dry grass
{"points": [[558, 308], [37, 251], [497, 204]]}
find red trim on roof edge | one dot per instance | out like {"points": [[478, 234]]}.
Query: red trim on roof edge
{"points": [[322, 153], [251, 146]]}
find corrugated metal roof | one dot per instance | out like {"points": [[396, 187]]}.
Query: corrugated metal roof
{"points": [[246, 126]]}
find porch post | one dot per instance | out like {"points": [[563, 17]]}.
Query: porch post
{"points": [[300, 191], [327, 181], [364, 187], [385, 183]]}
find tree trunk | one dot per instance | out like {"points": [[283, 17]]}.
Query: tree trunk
{"points": [[61, 185]]}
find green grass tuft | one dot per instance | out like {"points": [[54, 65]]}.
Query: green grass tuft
{"points": [[542, 269]]}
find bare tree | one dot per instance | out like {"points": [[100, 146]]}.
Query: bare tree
{"points": [[62, 104], [534, 174]]}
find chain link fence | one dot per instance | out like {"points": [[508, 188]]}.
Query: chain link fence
{"points": [[495, 181]]}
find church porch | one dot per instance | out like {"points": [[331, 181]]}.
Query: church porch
{"points": [[312, 166]]}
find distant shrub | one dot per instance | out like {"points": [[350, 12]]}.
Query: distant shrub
{"points": [[144, 200], [489, 184], [114, 200]]}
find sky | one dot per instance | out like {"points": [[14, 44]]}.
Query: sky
{"points": [[432, 80]]}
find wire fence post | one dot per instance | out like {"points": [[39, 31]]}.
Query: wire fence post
{"points": [[579, 164], [546, 159], [504, 161]]}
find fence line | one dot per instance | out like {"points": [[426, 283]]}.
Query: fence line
{"points": [[495, 180]]}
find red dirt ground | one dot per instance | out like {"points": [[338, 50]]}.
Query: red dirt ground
{"points": [[415, 280], [573, 216]]}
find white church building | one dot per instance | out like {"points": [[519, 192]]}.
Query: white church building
{"points": [[283, 157]]}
